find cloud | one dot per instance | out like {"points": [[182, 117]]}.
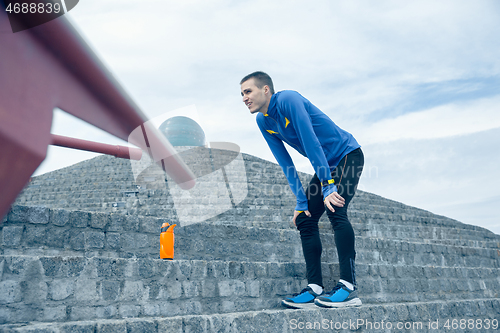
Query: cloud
{"points": [[452, 176], [438, 122]]}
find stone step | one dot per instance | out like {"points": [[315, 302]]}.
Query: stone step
{"points": [[421, 232], [475, 236], [58, 289], [375, 224], [29, 229], [146, 246], [377, 214], [479, 315], [259, 187], [241, 243], [62, 266], [374, 228], [398, 230], [259, 172], [408, 228], [403, 232], [259, 191], [99, 178]]}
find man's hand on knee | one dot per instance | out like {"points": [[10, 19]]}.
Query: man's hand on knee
{"points": [[334, 199], [297, 213]]}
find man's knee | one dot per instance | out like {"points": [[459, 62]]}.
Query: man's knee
{"points": [[339, 217], [306, 224]]}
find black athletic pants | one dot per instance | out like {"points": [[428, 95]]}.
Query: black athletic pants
{"points": [[346, 176]]}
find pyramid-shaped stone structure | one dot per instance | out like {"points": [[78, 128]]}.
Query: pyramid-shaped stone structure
{"points": [[79, 253]]}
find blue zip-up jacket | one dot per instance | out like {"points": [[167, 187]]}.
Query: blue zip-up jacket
{"points": [[295, 120]]}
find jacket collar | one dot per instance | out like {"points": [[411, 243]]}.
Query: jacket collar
{"points": [[272, 109]]}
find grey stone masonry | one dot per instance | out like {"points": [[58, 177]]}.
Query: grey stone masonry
{"points": [[79, 253], [480, 315], [115, 235], [78, 288], [80, 232], [108, 184]]}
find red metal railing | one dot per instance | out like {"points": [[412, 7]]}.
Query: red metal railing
{"points": [[51, 66], [97, 147]]}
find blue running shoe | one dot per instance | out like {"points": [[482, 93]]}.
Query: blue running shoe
{"points": [[302, 300], [339, 297]]}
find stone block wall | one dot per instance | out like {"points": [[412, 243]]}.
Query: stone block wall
{"points": [[79, 253]]}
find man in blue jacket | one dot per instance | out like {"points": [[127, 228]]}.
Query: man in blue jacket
{"points": [[337, 160]]}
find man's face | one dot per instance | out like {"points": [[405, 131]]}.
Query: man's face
{"points": [[255, 98]]}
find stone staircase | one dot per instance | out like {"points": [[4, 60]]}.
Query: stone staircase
{"points": [[79, 253]]}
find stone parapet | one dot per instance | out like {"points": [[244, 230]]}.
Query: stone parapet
{"points": [[79, 249], [42, 231], [55, 289], [479, 315]]}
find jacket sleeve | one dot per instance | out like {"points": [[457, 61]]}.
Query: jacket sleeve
{"points": [[285, 161], [293, 107]]}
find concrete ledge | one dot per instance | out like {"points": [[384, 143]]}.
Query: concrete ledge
{"points": [[88, 269], [115, 235], [436, 316], [78, 288], [98, 183]]}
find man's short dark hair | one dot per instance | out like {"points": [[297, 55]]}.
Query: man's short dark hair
{"points": [[261, 79]]}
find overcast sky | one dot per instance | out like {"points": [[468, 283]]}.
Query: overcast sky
{"points": [[416, 82]]}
